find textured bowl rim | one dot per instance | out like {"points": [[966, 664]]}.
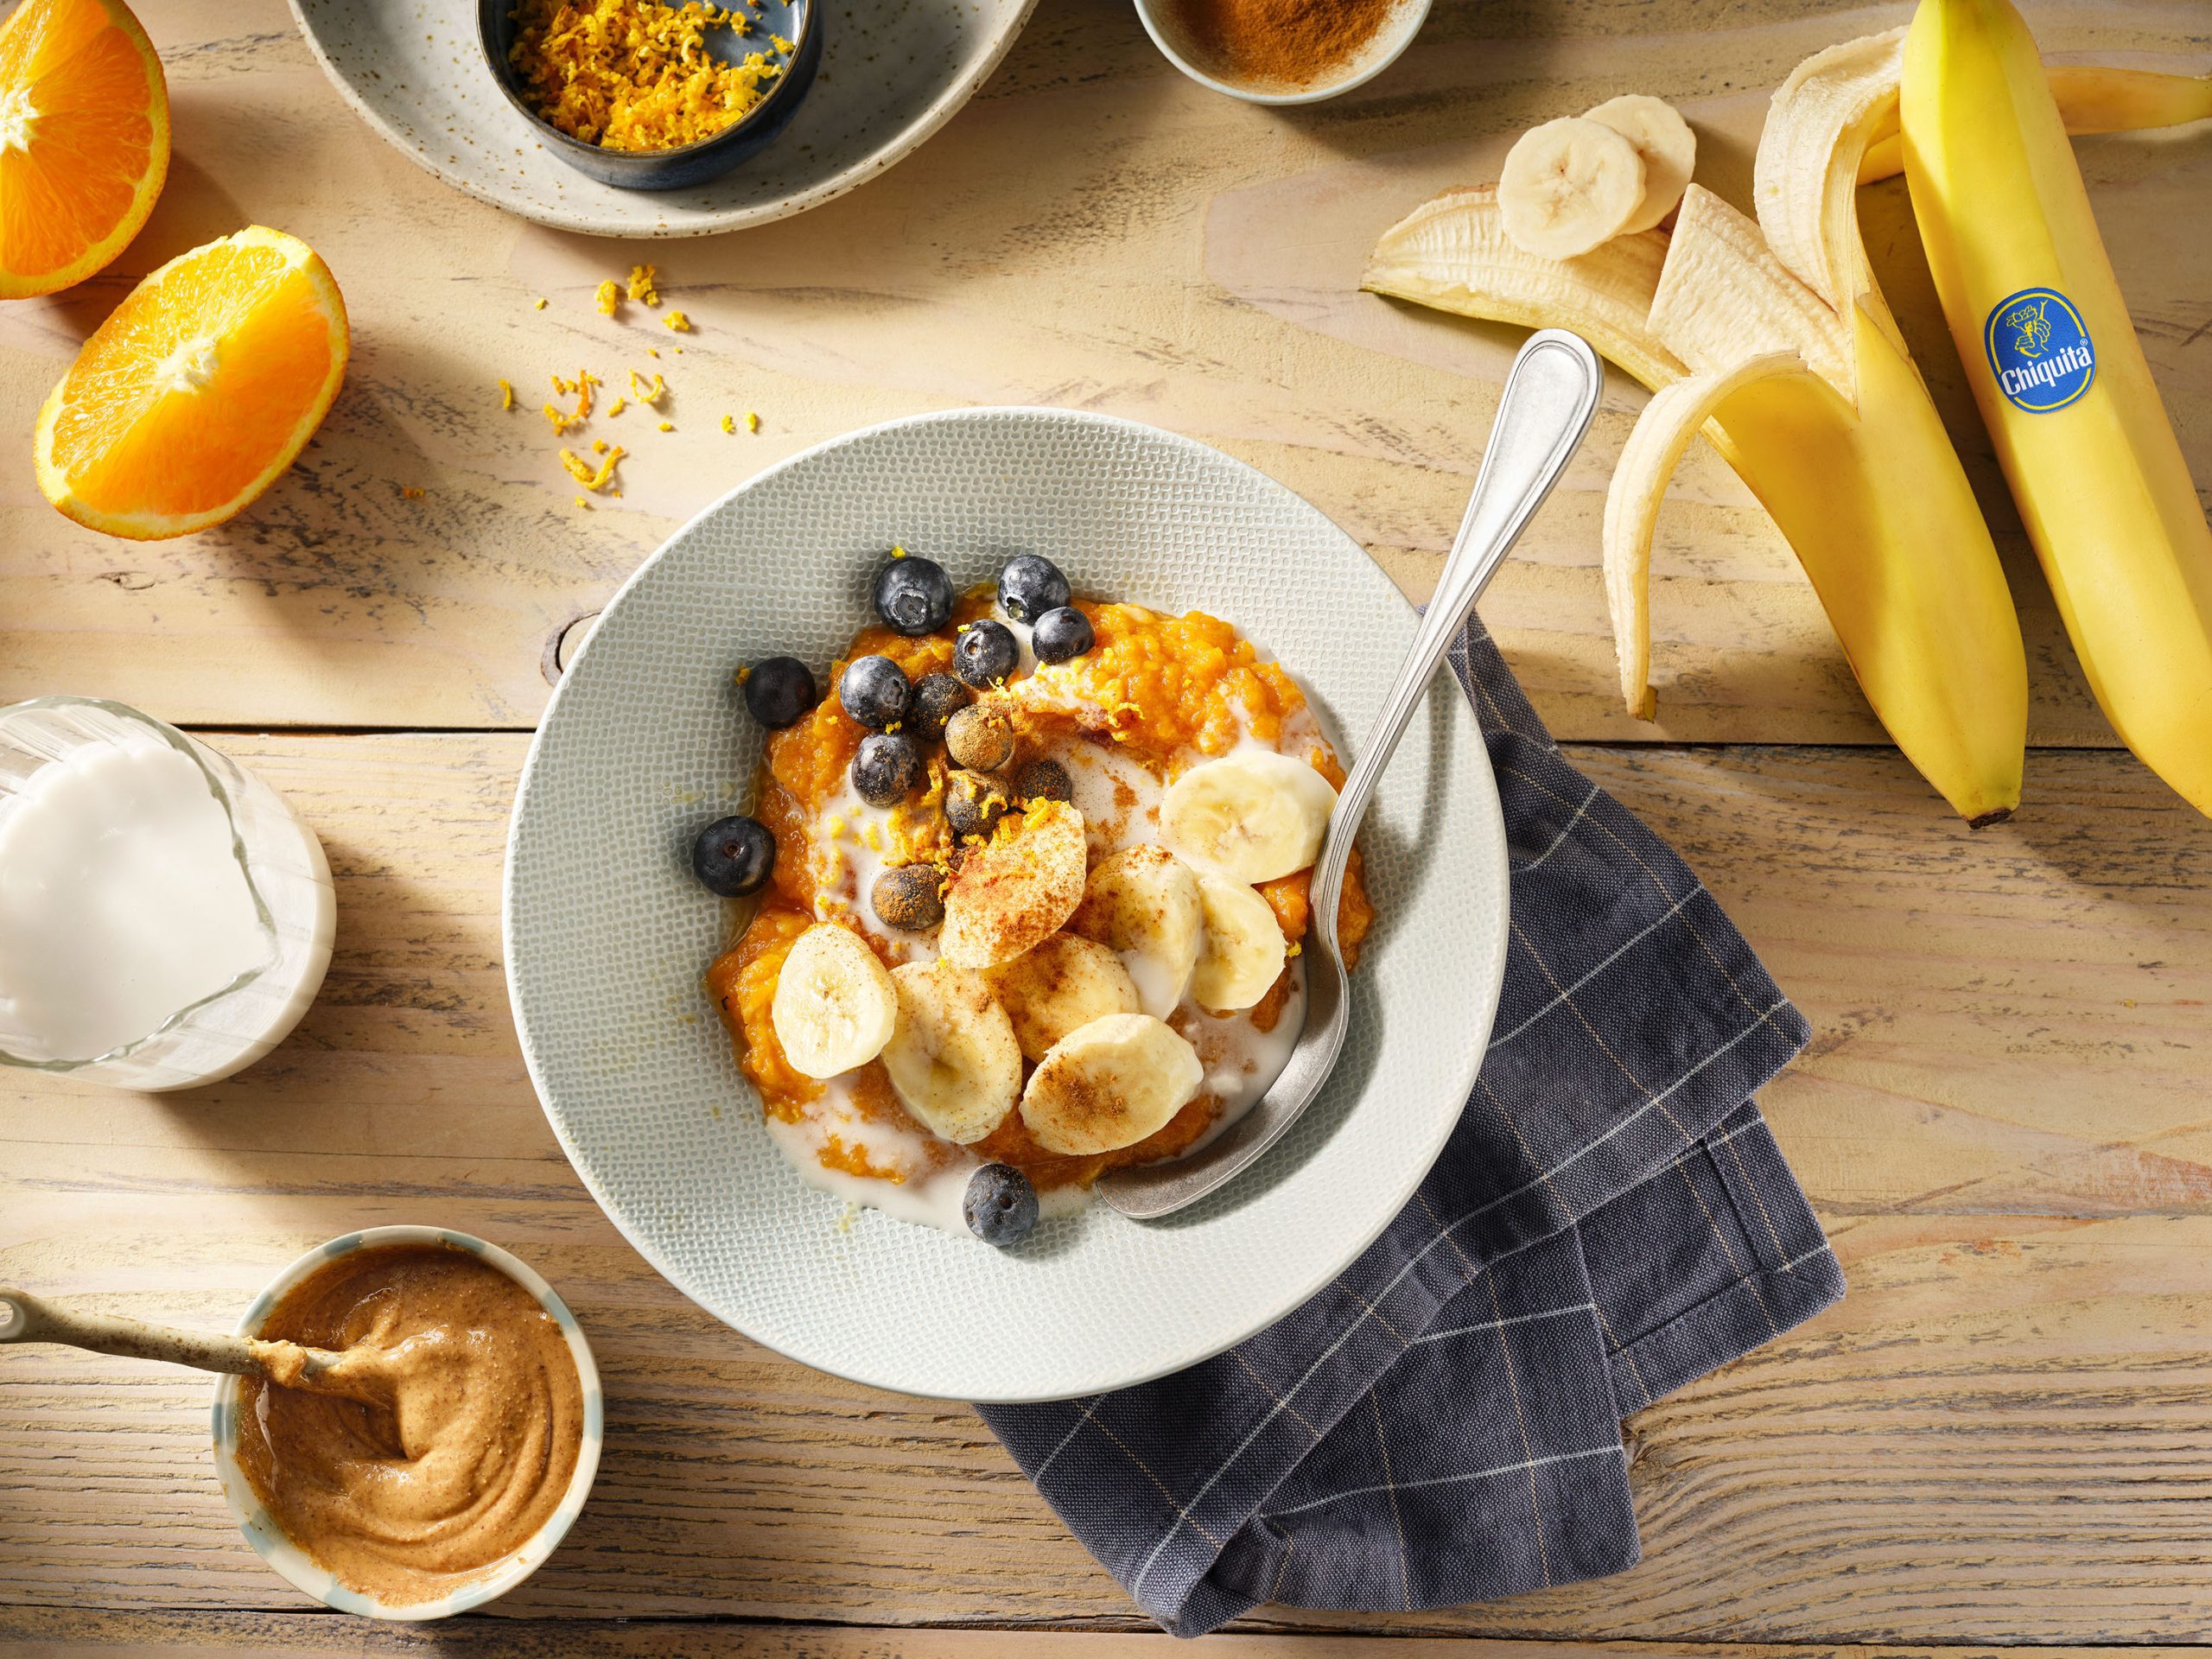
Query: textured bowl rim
{"points": [[1287, 1302], [293, 1564], [896, 148]]}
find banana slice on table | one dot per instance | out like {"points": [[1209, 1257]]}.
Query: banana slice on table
{"points": [[1244, 949], [1108, 1084], [1249, 816], [1143, 903], [1665, 142], [834, 1007], [1012, 894], [952, 1057], [1569, 185], [1066, 981]]}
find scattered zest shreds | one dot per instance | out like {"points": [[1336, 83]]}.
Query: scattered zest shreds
{"points": [[729, 423], [678, 321], [646, 391], [633, 75], [610, 295], [558, 422], [506, 395], [642, 278], [583, 473]]}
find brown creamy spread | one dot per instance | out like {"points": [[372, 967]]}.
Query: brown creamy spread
{"points": [[461, 1435]]}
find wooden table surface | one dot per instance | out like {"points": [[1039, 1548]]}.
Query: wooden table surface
{"points": [[1999, 1437]]}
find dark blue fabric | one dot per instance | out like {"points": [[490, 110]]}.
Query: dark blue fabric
{"points": [[1611, 1219]]}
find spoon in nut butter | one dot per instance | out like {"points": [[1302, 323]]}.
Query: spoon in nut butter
{"points": [[26, 1317], [1550, 395]]}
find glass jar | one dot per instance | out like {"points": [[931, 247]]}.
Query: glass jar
{"points": [[77, 844]]}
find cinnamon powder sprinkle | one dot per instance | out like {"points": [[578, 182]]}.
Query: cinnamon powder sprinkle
{"points": [[1290, 43]]}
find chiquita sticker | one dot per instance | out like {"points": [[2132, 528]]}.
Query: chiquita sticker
{"points": [[2039, 351]]}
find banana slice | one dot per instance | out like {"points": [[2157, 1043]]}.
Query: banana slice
{"points": [[1452, 252], [1248, 816], [1066, 981], [1569, 185], [1665, 142], [1012, 894], [834, 1008], [1108, 1084], [1244, 949], [953, 1058], [1143, 902]]}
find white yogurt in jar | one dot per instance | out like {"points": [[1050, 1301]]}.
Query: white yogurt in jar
{"points": [[154, 933]]}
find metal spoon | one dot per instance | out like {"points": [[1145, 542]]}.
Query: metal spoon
{"points": [[26, 1317], [1550, 397]]}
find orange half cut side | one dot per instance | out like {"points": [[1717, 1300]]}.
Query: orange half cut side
{"points": [[84, 140], [199, 392]]}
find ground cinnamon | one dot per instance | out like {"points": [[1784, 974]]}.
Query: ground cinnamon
{"points": [[1278, 42]]}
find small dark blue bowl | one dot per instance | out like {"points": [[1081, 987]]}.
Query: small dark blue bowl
{"points": [[798, 21]]}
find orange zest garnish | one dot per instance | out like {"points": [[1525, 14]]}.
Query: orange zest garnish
{"points": [[84, 140], [200, 389]]}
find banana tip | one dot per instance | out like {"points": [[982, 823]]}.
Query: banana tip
{"points": [[1983, 820]]}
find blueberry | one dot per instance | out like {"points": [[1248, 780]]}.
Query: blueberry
{"points": [[908, 898], [1061, 634], [974, 804], [1030, 586], [875, 691], [985, 653], [999, 1205], [779, 690], [914, 596], [734, 857], [938, 698], [888, 769], [1043, 780]]}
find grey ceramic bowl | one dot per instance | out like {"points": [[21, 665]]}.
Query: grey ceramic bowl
{"points": [[798, 22]]}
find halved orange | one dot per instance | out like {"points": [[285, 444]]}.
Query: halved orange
{"points": [[84, 140], [202, 387]]}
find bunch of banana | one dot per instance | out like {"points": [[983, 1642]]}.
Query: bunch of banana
{"points": [[1774, 338], [2060, 377]]}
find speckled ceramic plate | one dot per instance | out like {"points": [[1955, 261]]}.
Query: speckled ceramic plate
{"points": [[607, 935], [893, 72]]}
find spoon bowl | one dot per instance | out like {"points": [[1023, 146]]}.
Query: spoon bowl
{"points": [[1550, 395]]}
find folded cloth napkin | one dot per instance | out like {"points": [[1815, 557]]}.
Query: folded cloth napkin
{"points": [[1611, 1219]]}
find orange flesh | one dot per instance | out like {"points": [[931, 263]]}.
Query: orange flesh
{"points": [[1167, 684], [98, 131]]}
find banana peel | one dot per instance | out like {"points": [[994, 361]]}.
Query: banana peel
{"points": [[1451, 254], [1647, 460]]}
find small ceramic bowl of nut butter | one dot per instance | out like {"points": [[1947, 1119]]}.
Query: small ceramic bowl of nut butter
{"points": [[464, 1451]]}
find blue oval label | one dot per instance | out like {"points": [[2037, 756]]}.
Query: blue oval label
{"points": [[2039, 350]]}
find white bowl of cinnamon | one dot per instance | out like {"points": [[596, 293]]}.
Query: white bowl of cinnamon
{"points": [[463, 1451], [1282, 52]]}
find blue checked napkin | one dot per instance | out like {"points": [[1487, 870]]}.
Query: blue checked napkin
{"points": [[1611, 1219]]}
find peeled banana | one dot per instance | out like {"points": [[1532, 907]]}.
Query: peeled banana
{"points": [[2060, 376]]}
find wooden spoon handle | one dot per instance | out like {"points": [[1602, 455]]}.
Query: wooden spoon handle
{"points": [[25, 1318]]}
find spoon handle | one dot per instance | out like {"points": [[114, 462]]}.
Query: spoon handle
{"points": [[25, 1318], [1550, 397]]}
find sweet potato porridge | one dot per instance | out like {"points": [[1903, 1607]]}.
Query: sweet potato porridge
{"points": [[1031, 883]]}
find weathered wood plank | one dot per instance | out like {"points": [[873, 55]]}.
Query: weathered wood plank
{"points": [[2000, 1435], [1093, 230], [299, 1636]]}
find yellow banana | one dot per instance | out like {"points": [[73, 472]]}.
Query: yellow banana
{"points": [[1869, 494], [2091, 98], [2055, 365]]}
